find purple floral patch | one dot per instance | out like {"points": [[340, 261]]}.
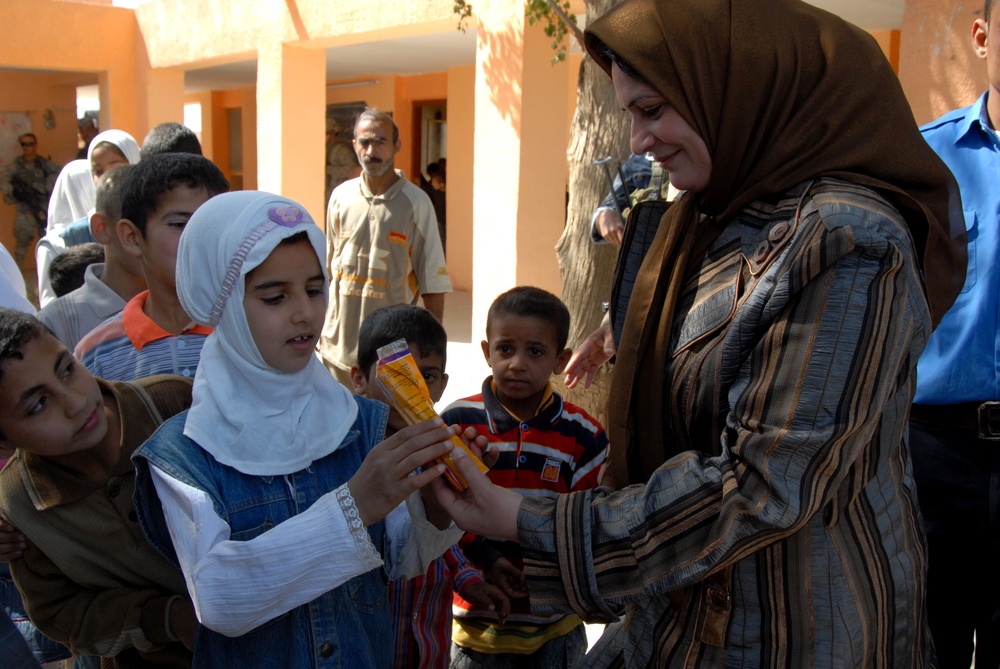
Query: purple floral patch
{"points": [[287, 215]]}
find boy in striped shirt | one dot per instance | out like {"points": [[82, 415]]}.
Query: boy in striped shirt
{"points": [[546, 447]]}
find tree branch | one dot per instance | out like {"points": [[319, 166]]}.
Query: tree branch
{"points": [[567, 21]]}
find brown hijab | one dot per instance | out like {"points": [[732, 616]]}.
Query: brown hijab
{"points": [[781, 92]]}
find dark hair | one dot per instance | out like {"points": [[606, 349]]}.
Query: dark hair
{"points": [[149, 180], [109, 145], [170, 138], [27, 134], [109, 193], [374, 115], [534, 302], [432, 169], [67, 268], [988, 9], [415, 324], [17, 329]]}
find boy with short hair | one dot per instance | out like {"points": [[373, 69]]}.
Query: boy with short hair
{"points": [[67, 270], [421, 607], [88, 576], [106, 287], [546, 447], [153, 334]]}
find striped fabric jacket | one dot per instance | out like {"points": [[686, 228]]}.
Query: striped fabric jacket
{"points": [[786, 532]]}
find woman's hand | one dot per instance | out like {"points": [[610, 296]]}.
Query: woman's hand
{"points": [[386, 476], [483, 508], [595, 350]]}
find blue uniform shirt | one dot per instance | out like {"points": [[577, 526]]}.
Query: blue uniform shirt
{"points": [[962, 360]]}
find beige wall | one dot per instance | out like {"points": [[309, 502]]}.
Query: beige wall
{"points": [[938, 69]]}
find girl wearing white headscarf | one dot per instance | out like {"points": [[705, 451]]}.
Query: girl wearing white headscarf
{"points": [[72, 195], [267, 483], [108, 149]]}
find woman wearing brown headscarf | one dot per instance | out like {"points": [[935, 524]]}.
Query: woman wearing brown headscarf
{"points": [[767, 355]]}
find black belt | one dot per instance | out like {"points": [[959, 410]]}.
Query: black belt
{"points": [[983, 418]]}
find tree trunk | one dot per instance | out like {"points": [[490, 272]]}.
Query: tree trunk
{"points": [[600, 129]]}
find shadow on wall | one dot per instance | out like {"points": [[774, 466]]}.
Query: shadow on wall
{"points": [[504, 56]]}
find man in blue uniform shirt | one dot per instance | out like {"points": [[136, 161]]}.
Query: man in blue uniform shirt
{"points": [[955, 421]]}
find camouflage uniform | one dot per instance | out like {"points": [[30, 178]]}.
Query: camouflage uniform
{"points": [[28, 186]]}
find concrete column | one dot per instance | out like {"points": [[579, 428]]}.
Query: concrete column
{"points": [[291, 124], [461, 140], [520, 159]]}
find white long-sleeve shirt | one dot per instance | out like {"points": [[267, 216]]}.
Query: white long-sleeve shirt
{"points": [[238, 585]]}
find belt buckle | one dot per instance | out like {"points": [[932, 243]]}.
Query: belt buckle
{"points": [[988, 421]]}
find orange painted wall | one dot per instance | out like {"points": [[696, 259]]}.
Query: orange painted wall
{"points": [[91, 38], [889, 41], [423, 87], [35, 93]]}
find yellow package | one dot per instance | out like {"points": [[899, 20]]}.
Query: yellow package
{"points": [[400, 378]]}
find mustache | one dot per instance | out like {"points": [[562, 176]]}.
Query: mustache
{"points": [[369, 161]]}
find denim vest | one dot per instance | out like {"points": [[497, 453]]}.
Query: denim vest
{"points": [[346, 627]]}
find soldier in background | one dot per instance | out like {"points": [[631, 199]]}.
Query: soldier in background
{"points": [[27, 184]]}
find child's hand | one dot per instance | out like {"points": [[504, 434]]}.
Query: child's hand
{"points": [[481, 446], [489, 597], [509, 578], [483, 508], [12, 543], [386, 476]]}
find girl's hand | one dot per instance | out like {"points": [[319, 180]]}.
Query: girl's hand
{"points": [[483, 508], [595, 350], [386, 476]]}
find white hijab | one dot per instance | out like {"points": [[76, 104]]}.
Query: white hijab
{"points": [[123, 141], [73, 195], [246, 414]]}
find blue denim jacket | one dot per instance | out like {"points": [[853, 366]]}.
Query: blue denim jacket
{"points": [[346, 627]]}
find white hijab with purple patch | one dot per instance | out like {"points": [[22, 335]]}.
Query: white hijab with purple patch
{"points": [[247, 414]]}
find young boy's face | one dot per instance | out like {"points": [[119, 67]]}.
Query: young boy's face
{"points": [[285, 306], [523, 353], [157, 249], [50, 405], [431, 368]]}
